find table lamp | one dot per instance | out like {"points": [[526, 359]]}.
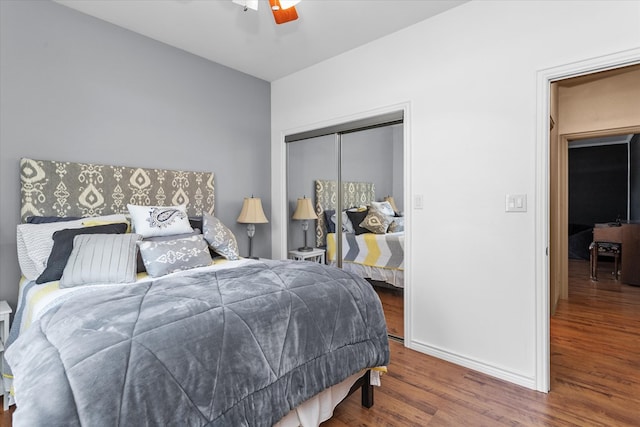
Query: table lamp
{"points": [[252, 214], [304, 211]]}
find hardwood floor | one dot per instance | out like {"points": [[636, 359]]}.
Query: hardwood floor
{"points": [[595, 373], [393, 306]]}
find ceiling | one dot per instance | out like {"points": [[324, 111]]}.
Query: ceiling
{"points": [[250, 41]]}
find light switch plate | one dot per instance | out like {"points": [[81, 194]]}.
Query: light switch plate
{"points": [[516, 203], [418, 201]]}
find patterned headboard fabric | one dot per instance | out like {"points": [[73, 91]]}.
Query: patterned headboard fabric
{"points": [[353, 194], [52, 188]]}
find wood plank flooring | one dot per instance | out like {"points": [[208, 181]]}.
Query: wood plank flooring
{"points": [[393, 306], [595, 373]]}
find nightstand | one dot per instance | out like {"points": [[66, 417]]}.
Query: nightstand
{"points": [[315, 255], [5, 312]]}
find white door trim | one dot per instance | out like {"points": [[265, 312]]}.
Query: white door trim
{"points": [[544, 78]]}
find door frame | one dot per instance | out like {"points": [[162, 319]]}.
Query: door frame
{"points": [[543, 192]]}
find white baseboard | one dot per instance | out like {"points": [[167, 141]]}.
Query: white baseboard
{"points": [[494, 371]]}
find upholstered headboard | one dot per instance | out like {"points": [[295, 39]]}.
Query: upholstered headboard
{"points": [[52, 188], [353, 194]]}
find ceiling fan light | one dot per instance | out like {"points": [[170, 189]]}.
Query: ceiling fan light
{"points": [[247, 4], [286, 4]]}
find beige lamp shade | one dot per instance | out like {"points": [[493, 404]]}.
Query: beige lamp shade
{"points": [[304, 210], [252, 212]]}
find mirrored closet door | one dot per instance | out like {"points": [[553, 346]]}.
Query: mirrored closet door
{"points": [[352, 177]]}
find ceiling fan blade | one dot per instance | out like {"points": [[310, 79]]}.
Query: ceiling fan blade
{"points": [[282, 15]]}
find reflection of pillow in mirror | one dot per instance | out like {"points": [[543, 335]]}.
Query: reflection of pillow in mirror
{"points": [[383, 207], [347, 226], [356, 218], [397, 225], [376, 222], [357, 209], [330, 225]]}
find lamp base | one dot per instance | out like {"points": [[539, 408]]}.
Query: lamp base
{"points": [[305, 249]]}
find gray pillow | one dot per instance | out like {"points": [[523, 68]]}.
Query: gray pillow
{"points": [[166, 257], [101, 258], [220, 237], [63, 245], [139, 261]]}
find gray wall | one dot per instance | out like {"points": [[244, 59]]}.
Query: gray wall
{"points": [[79, 89], [367, 156], [598, 178]]}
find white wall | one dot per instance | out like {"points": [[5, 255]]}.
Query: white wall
{"points": [[469, 76]]}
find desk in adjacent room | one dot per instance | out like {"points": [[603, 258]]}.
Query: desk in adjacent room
{"points": [[628, 236]]}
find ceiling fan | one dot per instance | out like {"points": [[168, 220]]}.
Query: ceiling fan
{"points": [[283, 10]]}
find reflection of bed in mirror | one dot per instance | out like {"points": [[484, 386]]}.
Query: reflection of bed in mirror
{"points": [[374, 251]]}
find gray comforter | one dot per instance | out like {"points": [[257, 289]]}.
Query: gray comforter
{"points": [[232, 347]]}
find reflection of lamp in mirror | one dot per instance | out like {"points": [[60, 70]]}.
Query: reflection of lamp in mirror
{"points": [[304, 211], [252, 214]]}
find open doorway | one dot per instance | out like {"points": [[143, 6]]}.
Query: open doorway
{"points": [[592, 110], [597, 105]]}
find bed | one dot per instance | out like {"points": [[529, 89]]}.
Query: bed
{"points": [[193, 339], [378, 256]]}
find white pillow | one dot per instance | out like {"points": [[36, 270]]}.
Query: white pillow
{"points": [[384, 208], [150, 221]]}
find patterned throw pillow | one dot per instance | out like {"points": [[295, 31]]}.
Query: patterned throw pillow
{"points": [[376, 222], [383, 207], [162, 258], [397, 225], [140, 262], [220, 237], [101, 258], [151, 221]]}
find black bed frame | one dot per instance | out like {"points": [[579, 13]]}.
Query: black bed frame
{"points": [[364, 383]]}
